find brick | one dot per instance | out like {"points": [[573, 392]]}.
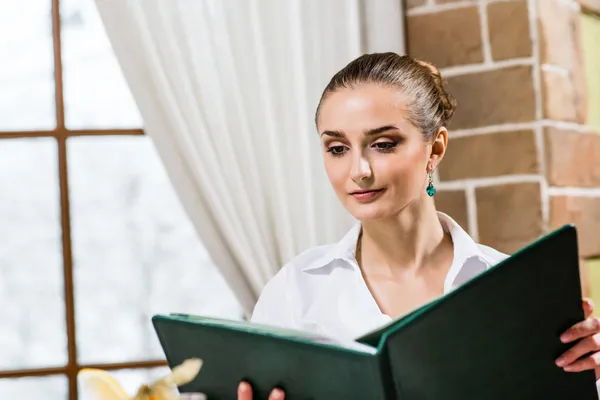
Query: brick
{"points": [[453, 1], [559, 96], [415, 3], [496, 154], [561, 44], [493, 97], [584, 212], [453, 203], [572, 158], [508, 28], [557, 32], [509, 216], [446, 38]]}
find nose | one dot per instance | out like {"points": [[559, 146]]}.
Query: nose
{"points": [[361, 169]]}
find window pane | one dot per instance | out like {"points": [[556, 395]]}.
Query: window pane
{"points": [[590, 28], [32, 316], [135, 251], [95, 91], [34, 388], [26, 66]]}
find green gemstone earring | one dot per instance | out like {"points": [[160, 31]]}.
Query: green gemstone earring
{"points": [[431, 190]]}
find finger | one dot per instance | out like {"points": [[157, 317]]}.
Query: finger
{"points": [[586, 363], [244, 391], [584, 328], [585, 346], [588, 307], [277, 394]]}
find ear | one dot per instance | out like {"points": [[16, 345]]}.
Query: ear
{"points": [[438, 147]]}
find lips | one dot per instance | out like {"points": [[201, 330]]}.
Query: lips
{"points": [[366, 195]]}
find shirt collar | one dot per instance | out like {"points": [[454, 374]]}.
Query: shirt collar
{"points": [[465, 247]]}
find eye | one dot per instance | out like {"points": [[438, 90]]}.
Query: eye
{"points": [[385, 146], [336, 150]]}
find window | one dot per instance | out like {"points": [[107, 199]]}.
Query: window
{"points": [[590, 27], [94, 240]]}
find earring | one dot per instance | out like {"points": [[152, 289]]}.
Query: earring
{"points": [[431, 190]]}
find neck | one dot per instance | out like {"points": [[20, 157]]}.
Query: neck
{"points": [[406, 241]]}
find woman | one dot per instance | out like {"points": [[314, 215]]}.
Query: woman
{"points": [[382, 121]]}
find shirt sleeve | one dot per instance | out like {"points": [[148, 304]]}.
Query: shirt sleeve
{"points": [[273, 306]]}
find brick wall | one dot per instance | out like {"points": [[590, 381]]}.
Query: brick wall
{"points": [[521, 159]]}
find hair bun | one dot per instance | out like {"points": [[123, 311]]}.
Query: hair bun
{"points": [[447, 102], [429, 105]]}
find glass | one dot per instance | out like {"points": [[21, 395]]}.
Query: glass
{"points": [[135, 251], [96, 94], [32, 316], [26, 66], [590, 28], [35, 388], [593, 267]]}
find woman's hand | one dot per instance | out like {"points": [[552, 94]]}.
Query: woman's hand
{"points": [[589, 345], [245, 392]]}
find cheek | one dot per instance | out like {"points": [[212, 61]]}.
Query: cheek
{"points": [[336, 172], [405, 168], [397, 170]]}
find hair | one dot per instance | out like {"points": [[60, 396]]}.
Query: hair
{"points": [[430, 105]]}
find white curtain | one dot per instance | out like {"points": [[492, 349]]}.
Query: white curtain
{"points": [[227, 90]]}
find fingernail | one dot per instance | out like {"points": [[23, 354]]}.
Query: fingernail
{"points": [[564, 338], [569, 368], [243, 387], [277, 394], [560, 362]]}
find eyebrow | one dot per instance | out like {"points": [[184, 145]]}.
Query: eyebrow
{"points": [[382, 129], [336, 134], [368, 132]]}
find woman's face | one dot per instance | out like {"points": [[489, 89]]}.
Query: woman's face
{"points": [[376, 160]]}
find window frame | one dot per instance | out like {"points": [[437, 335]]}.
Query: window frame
{"points": [[61, 134]]}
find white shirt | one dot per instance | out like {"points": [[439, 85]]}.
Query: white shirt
{"points": [[323, 291]]}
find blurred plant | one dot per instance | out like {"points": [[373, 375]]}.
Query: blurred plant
{"points": [[98, 384]]}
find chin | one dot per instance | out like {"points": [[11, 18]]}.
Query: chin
{"points": [[369, 212]]}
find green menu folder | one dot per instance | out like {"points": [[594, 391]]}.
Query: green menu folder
{"points": [[495, 337]]}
